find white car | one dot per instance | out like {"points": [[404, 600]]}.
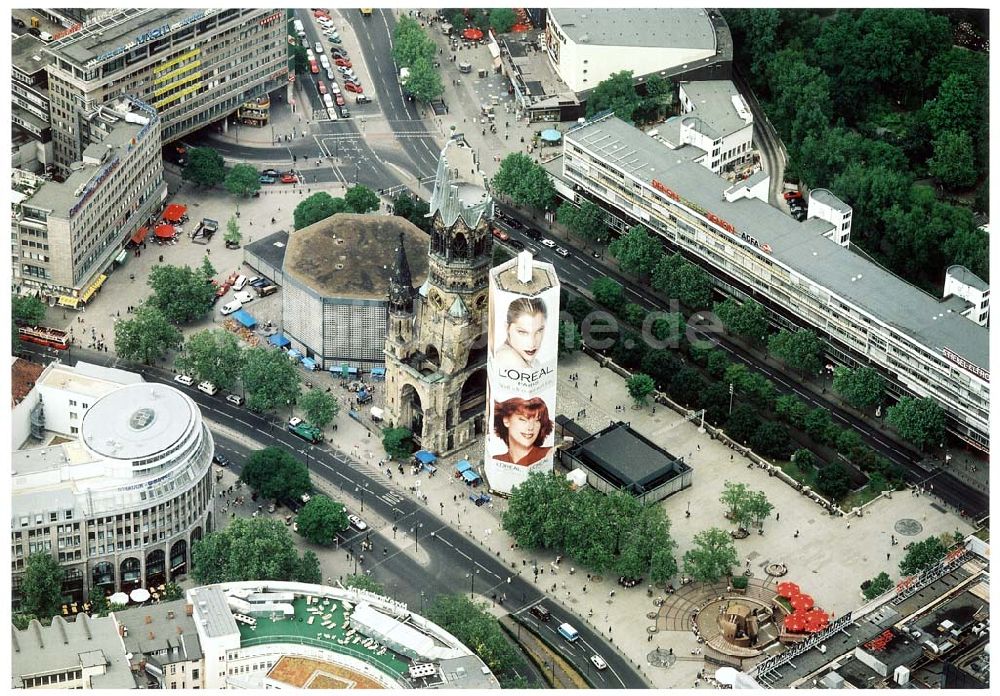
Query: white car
{"points": [[231, 307], [246, 296], [310, 55], [324, 60], [234, 399], [562, 252], [357, 523], [325, 21], [207, 388], [549, 243], [319, 47], [334, 87], [186, 380], [330, 76], [598, 662], [293, 421]]}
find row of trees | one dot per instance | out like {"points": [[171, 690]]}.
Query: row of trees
{"points": [[922, 555], [205, 167], [252, 549], [414, 50], [646, 102], [321, 205], [907, 105], [600, 531]]}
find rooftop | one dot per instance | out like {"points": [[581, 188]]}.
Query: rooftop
{"points": [[826, 197], [161, 629], [137, 421], [23, 375], [718, 105], [459, 187], [967, 277], [543, 277], [87, 379], [24, 50], [348, 255], [800, 246], [271, 249], [307, 673], [637, 27], [632, 460], [119, 29]]}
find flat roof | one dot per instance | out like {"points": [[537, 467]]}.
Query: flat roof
{"points": [[713, 106], [826, 196], [310, 673], [543, 277], [137, 421], [800, 246], [629, 457], [24, 49], [271, 249], [967, 277], [675, 27], [104, 35], [350, 255]]}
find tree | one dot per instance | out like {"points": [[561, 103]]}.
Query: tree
{"points": [[712, 556], [299, 58], [616, 93], [410, 43], [233, 236], [361, 199], [804, 459], [958, 106], [212, 355], [686, 386], [319, 407], [246, 549], [532, 508], [819, 425], [270, 379], [397, 442], [502, 19], [833, 481], [657, 102], [147, 336], [792, 410], [402, 205], [743, 423], [182, 293], [27, 310], [734, 497], [570, 339], [587, 220], [424, 81], [877, 586], [801, 350], [969, 246], [661, 365], [953, 163], [41, 585], [321, 519], [607, 292], [276, 474], [363, 582], [770, 440], [862, 388], [921, 421], [758, 506], [308, 569], [923, 554], [637, 251], [456, 18], [747, 319], [633, 314], [640, 386], [475, 627], [205, 167], [316, 207], [524, 181], [242, 180], [172, 592]]}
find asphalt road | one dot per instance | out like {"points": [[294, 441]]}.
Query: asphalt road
{"points": [[451, 555], [579, 269]]}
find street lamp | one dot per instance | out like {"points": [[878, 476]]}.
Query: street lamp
{"points": [[359, 490], [416, 534], [472, 577], [422, 596]]}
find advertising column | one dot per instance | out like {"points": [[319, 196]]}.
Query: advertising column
{"points": [[523, 353]]}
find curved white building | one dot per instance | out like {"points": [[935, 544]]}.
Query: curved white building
{"points": [[121, 505], [290, 635]]}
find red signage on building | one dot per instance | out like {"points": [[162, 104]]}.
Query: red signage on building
{"points": [[711, 217], [663, 189], [271, 19], [881, 641], [66, 32]]}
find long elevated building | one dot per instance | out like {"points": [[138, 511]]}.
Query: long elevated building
{"points": [[804, 272]]}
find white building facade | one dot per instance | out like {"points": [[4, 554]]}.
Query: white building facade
{"points": [[717, 120]]}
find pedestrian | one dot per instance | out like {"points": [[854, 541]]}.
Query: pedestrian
{"points": [[888, 556], [796, 534], [777, 517]]}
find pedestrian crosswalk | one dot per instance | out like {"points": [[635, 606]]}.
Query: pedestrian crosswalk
{"points": [[391, 498]]}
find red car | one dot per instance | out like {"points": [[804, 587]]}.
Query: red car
{"points": [[352, 87], [339, 99], [789, 195], [320, 13], [342, 62], [500, 234], [288, 178], [222, 290]]}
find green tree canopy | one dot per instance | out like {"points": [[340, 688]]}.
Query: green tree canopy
{"points": [[607, 292], [524, 181], [616, 93], [680, 279], [833, 481], [747, 319], [41, 586], [923, 554], [771, 440], [397, 442], [320, 408], [316, 207], [147, 336], [321, 519], [686, 386], [587, 220], [410, 43], [424, 81], [270, 379], [502, 19], [276, 474], [299, 59], [712, 556], [801, 350], [27, 310], [213, 355], [364, 582], [877, 586], [792, 410], [969, 246], [637, 251], [181, 293], [921, 421], [246, 549], [308, 569], [205, 167], [863, 387], [640, 386], [243, 180], [570, 339], [475, 627], [953, 163], [742, 423], [233, 234], [361, 199]]}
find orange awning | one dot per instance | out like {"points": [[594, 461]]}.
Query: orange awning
{"points": [[174, 212], [165, 232], [140, 236]]}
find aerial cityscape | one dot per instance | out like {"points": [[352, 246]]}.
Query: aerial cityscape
{"points": [[500, 348]]}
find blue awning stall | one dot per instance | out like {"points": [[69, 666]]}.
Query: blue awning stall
{"points": [[279, 340], [294, 354], [425, 457], [309, 363], [463, 466], [344, 371], [245, 319], [378, 373], [470, 475]]}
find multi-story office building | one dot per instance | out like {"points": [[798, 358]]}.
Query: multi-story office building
{"points": [[120, 499], [717, 120], [193, 66], [923, 345], [67, 234], [32, 142]]}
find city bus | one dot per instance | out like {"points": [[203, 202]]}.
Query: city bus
{"points": [[366, 12], [44, 336]]}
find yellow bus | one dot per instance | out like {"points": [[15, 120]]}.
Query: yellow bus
{"points": [[366, 12]]}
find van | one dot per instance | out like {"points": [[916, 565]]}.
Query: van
{"points": [[244, 297], [240, 282], [45, 36], [568, 632], [324, 61], [208, 388], [233, 306], [266, 290], [299, 29], [328, 100], [465, 67]]}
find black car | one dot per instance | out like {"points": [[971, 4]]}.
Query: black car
{"points": [[533, 234], [516, 243], [19, 23], [220, 459], [271, 172], [540, 612], [292, 504]]}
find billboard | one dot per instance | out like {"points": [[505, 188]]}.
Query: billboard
{"points": [[521, 364]]}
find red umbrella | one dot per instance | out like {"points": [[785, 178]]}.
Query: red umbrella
{"points": [[165, 231], [816, 620], [794, 623], [140, 236], [788, 589], [801, 602], [174, 212], [473, 34]]}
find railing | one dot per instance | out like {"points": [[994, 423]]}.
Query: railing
{"points": [[362, 655]]}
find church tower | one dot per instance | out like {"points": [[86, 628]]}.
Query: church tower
{"points": [[435, 353]]}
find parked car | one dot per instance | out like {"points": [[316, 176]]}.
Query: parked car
{"points": [[257, 281], [352, 87], [270, 172], [319, 13], [231, 307], [516, 243], [186, 380], [221, 290], [500, 234], [208, 388], [288, 178], [789, 195], [265, 290], [267, 179], [362, 99], [338, 52], [339, 99], [220, 459], [235, 399], [246, 297], [357, 523], [540, 612], [342, 62]]}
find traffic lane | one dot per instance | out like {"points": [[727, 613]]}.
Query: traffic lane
{"points": [[572, 651]]}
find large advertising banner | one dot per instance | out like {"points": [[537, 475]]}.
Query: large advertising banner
{"points": [[521, 396]]}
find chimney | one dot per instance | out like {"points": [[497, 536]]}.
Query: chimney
{"points": [[189, 609], [179, 630], [170, 614], [151, 636], [149, 619]]}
